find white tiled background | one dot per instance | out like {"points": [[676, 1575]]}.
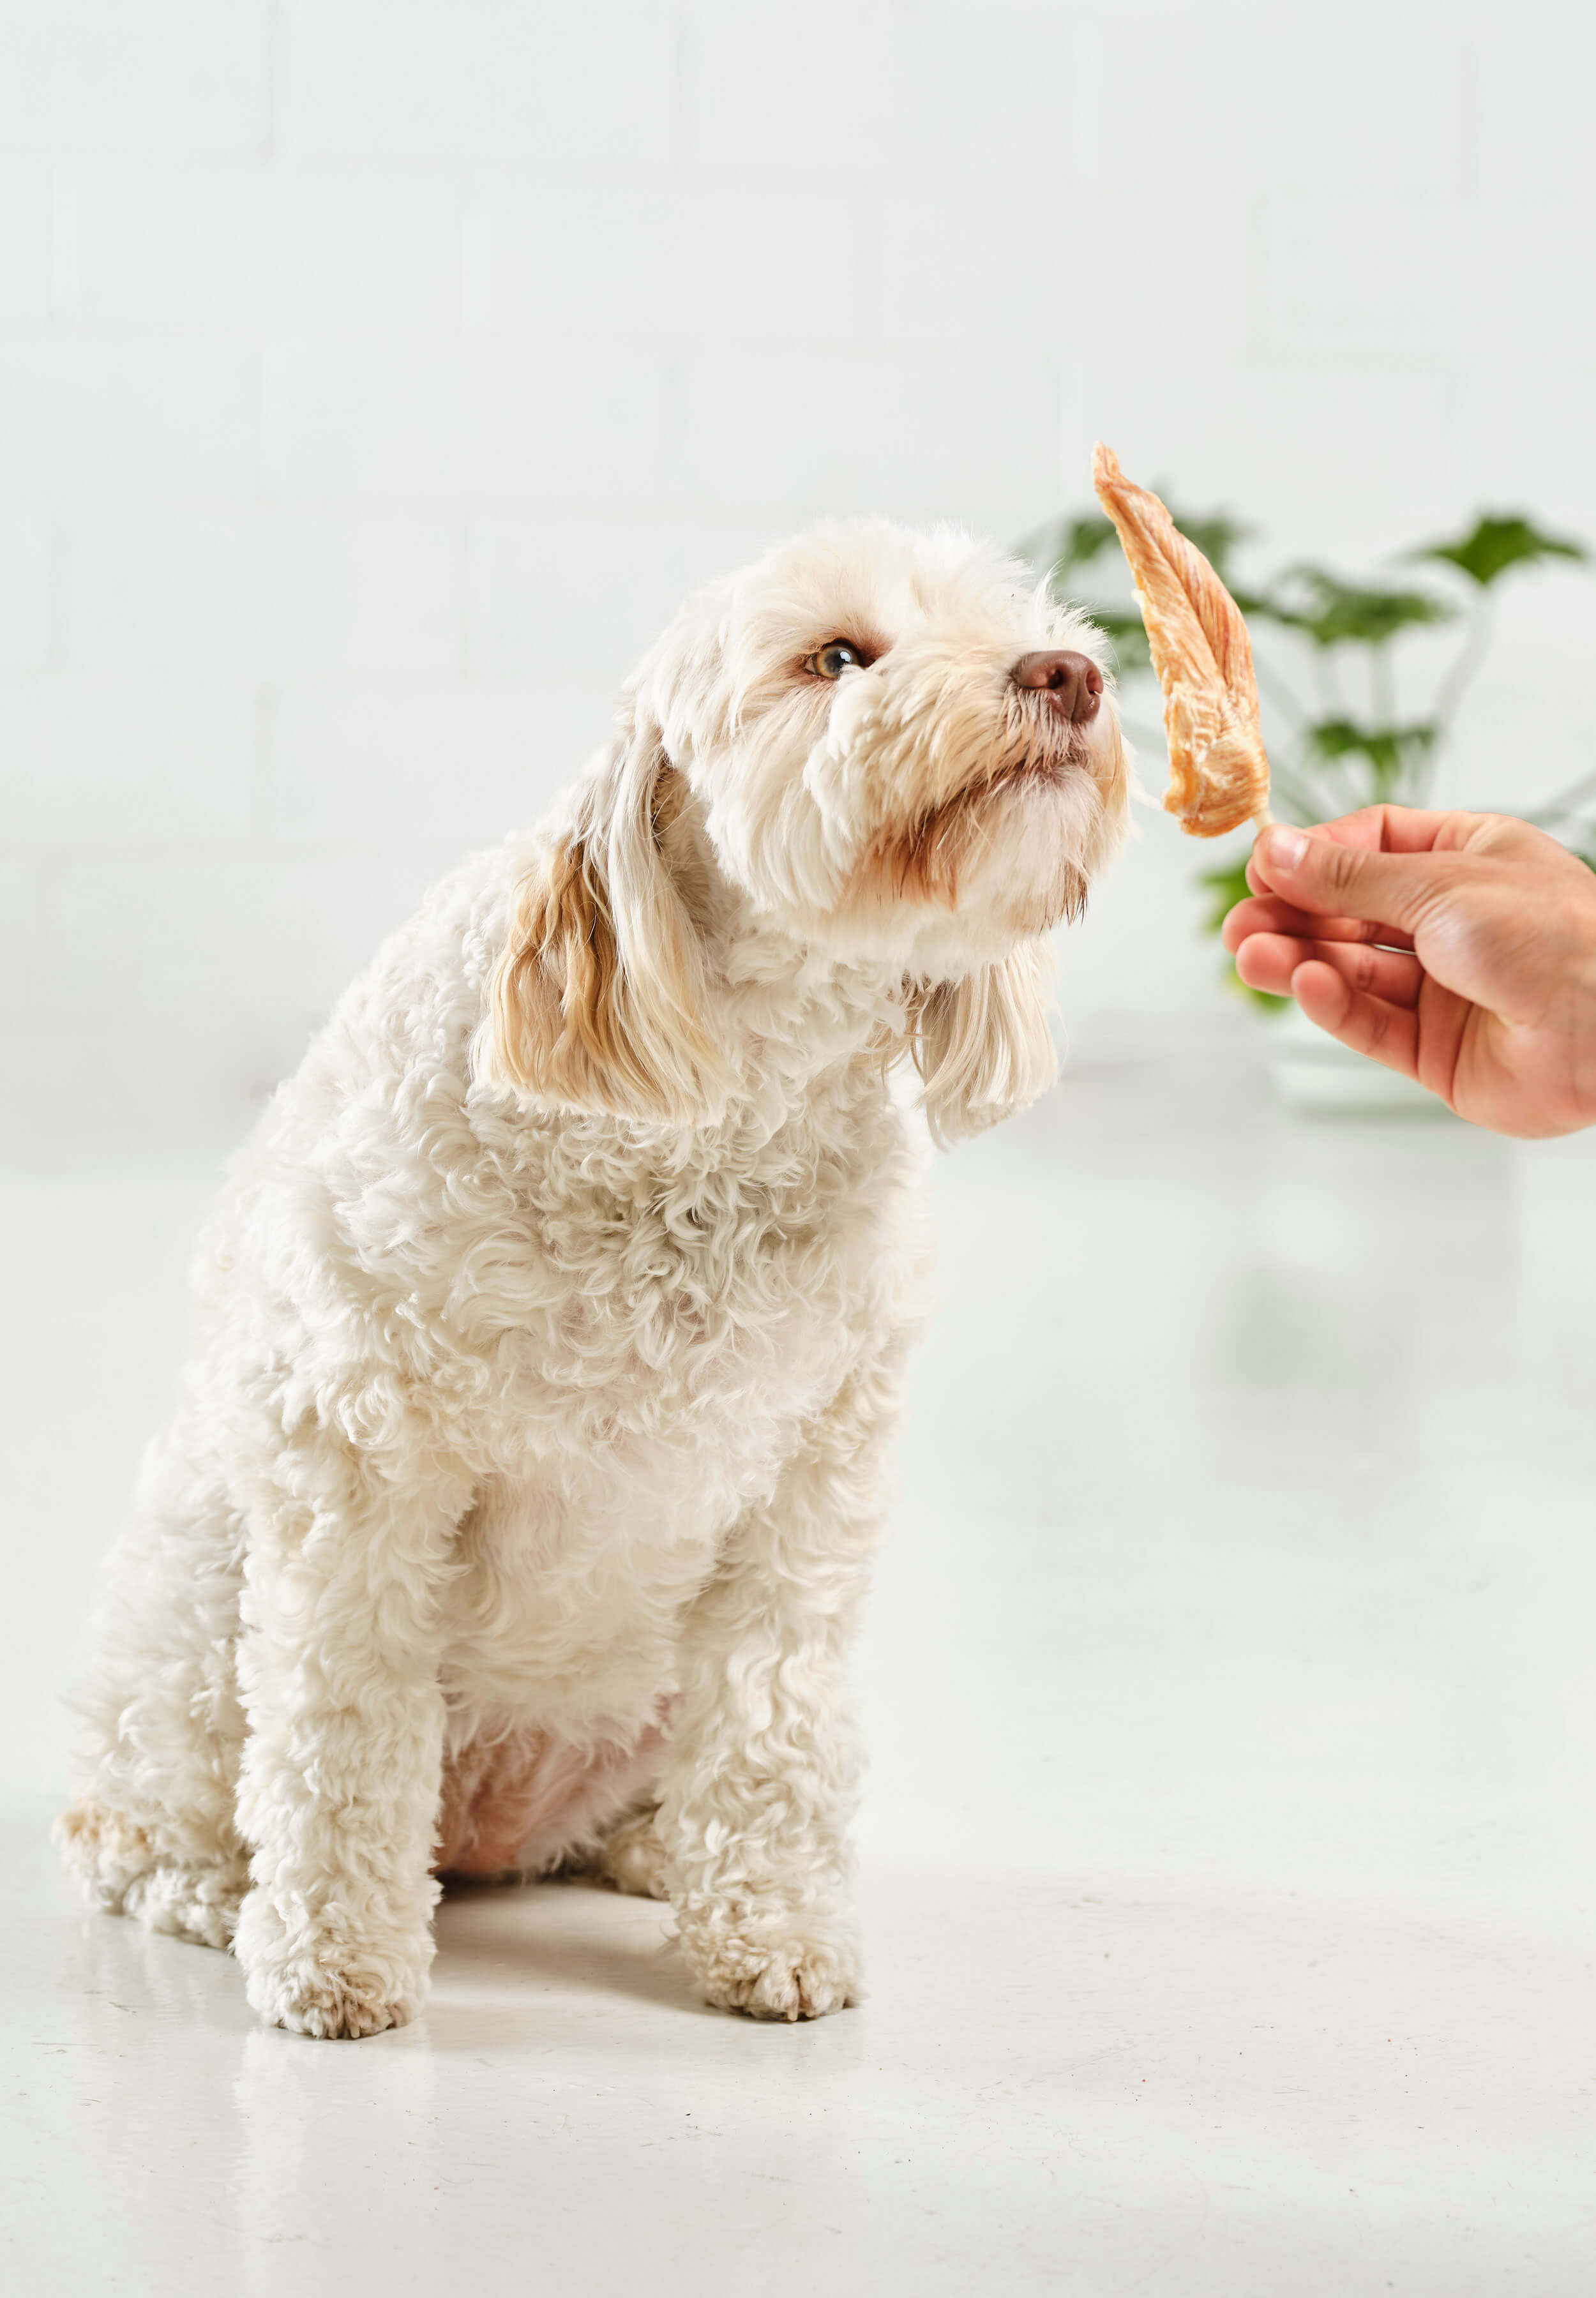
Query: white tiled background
{"points": [[375, 374]]}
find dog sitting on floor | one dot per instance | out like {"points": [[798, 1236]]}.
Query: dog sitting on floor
{"points": [[521, 1490]]}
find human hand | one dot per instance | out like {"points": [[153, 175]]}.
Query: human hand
{"points": [[1459, 948]]}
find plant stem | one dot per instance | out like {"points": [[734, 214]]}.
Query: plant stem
{"points": [[1477, 640], [1271, 683], [1303, 798], [1380, 687], [1324, 678]]}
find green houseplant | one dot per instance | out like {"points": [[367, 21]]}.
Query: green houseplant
{"points": [[1338, 738]]}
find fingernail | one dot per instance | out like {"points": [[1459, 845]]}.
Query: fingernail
{"points": [[1286, 847]]}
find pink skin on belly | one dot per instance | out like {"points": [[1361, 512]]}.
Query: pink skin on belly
{"points": [[521, 1801]]}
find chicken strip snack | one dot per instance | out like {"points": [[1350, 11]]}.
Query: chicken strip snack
{"points": [[1218, 770]]}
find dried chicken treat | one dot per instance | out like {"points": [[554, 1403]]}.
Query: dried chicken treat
{"points": [[1218, 772]]}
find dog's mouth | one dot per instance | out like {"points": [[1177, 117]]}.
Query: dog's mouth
{"points": [[1044, 750], [1068, 752], [1049, 748], [1054, 739], [924, 858]]}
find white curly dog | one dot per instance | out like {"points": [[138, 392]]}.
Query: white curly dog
{"points": [[520, 1492]]}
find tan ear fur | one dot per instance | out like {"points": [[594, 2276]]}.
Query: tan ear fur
{"points": [[983, 1045], [598, 999]]}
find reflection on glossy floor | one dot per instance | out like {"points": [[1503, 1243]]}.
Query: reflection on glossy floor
{"points": [[1230, 1875]]}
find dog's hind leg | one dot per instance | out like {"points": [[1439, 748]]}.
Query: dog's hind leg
{"points": [[629, 1853], [632, 1855], [525, 1801], [151, 1832]]}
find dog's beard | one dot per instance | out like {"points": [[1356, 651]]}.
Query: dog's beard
{"points": [[930, 855]]}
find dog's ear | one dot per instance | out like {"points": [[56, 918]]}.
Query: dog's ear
{"points": [[597, 998], [983, 1045]]}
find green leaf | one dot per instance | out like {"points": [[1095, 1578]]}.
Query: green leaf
{"points": [[1064, 545], [1071, 543], [1333, 613], [1251, 602], [1227, 886], [1077, 541], [1393, 753], [1130, 636], [1496, 542]]}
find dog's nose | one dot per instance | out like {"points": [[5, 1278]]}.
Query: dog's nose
{"points": [[1072, 684]]}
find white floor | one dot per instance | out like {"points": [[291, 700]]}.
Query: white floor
{"points": [[1230, 1871]]}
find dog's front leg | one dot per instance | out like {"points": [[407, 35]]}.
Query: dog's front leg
{"points": [[763, 1776], [338, 1791]]}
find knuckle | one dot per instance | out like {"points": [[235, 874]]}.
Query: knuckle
{"points": [[1339, 867]]}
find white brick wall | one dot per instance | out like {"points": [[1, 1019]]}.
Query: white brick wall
{"points": [[375, 373], [451, 761], [284, 591], [262, 253], [25, 588], [664, 265], [24, 241], [132, 758], [469, 81], [478, 421], [90, 75], [85, 421], [563, 599]]}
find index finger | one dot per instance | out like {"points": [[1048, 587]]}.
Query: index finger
{"points": [[1350, 878], [1267, 913], [1399, 829]]}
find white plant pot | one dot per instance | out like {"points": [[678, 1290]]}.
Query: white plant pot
{"points": [[1311, 1073]]}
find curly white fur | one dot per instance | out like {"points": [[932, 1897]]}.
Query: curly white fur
{"points": [[520, 1492]]}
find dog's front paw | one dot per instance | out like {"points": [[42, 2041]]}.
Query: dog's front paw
{"points": [[323, 1978], [795, 1972]]}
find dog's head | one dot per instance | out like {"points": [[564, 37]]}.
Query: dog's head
{"points": [[890, 749]]}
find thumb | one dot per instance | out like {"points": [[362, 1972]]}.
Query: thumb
{"points": [[1321, 875]]}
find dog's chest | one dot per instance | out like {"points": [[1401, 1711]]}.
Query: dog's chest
{"points": [[713, 1306], [658, 1394]]}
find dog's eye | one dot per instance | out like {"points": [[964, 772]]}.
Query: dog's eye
{"points": [[831, 661]]}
